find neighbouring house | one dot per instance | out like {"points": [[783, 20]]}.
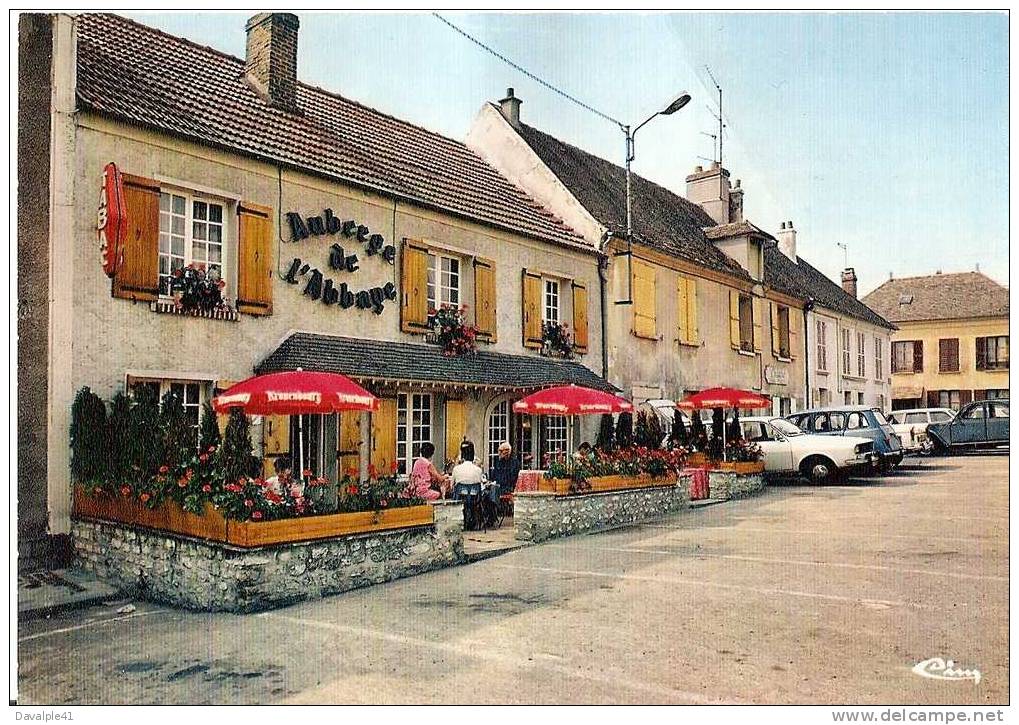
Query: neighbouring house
{"points": [[691, 307], [951, 346], [337, 231], [847, 344]]}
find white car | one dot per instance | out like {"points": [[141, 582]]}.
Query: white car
{"points": [[789, 451], [911, 426]]}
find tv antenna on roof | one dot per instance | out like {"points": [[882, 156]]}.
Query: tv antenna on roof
{"points": [[845, 254], [721, 128], [714, 147]]}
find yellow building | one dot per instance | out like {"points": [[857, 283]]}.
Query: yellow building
{"points": [[952, 343]]}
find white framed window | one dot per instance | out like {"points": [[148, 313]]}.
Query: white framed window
{"points": [[498, 429], [861, 355], [191, 231], [555, 438], [413, 427], [821, 329], [878, 358], [191, 393], [444, 281], [552, 301], [846, 354]]}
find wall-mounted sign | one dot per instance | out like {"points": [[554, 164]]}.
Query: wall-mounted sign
{"points": [[111, 221], [774, 375], [319, 287], [328, 223]]}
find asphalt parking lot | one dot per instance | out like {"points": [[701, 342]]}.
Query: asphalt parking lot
{"points": [[800, 595]]}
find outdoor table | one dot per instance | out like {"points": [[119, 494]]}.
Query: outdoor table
{"points": [[698, 483], [528, 480]]}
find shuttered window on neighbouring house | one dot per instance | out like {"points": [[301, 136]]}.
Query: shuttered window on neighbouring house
{"points": [[992, 353], [948, 355], [918, 356], [686, 310], [254, 259], [781, 343], [485, 313], [137, 277], [580, 331], [531, 309], [743, 323], [414, 263], [645, 322]]}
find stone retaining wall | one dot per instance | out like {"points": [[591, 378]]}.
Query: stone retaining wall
{"points": [[728, 484], [538, 516], [207, 576]]}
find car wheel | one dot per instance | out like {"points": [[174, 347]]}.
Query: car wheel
{"points": [[818, 469]]}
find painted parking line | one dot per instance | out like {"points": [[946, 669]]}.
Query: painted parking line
{"points": [[474, 650], [841, 534], [770, 591], [90, 623], [793, 562]]}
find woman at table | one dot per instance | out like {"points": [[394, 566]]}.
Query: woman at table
{"points": [[467, 479], [424, 474]]}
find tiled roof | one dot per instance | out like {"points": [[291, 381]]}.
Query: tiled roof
{"points": [[382, 360], [801, 280], [940, 297], [662, 220], [143, 76], [733, 229]]}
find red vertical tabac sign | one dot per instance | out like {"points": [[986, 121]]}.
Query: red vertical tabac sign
{"points": [[112, 219]]}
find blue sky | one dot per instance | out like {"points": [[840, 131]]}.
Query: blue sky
{"points": [[887, 132]]}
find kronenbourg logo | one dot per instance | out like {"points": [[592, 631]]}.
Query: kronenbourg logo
{"points": [[286, 395], [937, 668]]}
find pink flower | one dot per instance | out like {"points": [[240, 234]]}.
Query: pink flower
{"points": [[248, 502], [256, 515], [126, 490], [164, 469], [207, 488]]}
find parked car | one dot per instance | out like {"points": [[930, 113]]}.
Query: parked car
{"points": [[857, 421], [983, 424], [911, 426], [788, 450]]}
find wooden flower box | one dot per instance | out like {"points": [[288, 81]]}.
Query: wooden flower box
{"points": [[698, 460], [739, 467], [601, 484], [213, 526]]}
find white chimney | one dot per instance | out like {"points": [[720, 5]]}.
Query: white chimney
{"points": [[787, 240], [510, 108], [710, 189]]}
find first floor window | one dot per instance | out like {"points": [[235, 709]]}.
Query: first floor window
{"points": [[845, 352], [879, 354], [746, 323], [443, 281], [907, 356], [413, 427], [861, 357], [992, 353], [821, 328], [551, 300], [498, 430], [948, 355], [191, 231]]}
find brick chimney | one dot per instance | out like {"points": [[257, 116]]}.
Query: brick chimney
{"points": [[510, 108], [271, 62], [787, 240], [849, 281], [710, 189]]}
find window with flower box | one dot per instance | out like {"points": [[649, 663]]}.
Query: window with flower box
{"points": [[191, 231], [443, 281], [551, 301]]}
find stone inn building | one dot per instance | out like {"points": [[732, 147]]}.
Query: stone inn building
{"points": [[336, 230]]}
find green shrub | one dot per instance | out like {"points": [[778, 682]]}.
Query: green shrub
{"points": [[89, 444]]}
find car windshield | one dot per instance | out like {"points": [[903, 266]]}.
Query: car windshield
{"points": [[880, 417], [785, 427]]}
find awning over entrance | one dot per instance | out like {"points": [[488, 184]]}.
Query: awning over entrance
{"points": [[385, 361], [908, 392]]}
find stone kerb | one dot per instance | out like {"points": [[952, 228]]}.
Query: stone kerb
{"points": [[208, 576], [539, 516]]}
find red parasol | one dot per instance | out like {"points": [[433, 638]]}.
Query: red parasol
{"points": [[724, 398], [295, 392], [572, 400]]}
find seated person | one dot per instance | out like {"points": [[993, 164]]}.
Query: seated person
{"points": [[467, 475], [504, 471], [424, 474], [585, 451], [284, 479]]}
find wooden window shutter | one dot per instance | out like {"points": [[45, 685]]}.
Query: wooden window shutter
{"points": [[981, 353], [734, 337], [137, 276], [348, 443], [965, 397], [580, 331], [414, 287], [275, 441], [792, 335], [456, 427], [758, 319], [485, 317], [254, 259], [948, 355], [918, 356], [645, 323], [532, 310], [383, 429], [933, 399], [776, 335], [682, 308], [691, 311]]}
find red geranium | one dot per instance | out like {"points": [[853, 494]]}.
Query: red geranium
{"points": [[144, 497], [256, 515], [126, 490], [207, 488], [248, 502]]}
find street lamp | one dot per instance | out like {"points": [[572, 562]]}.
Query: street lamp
{"points": [[681, 100]]}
